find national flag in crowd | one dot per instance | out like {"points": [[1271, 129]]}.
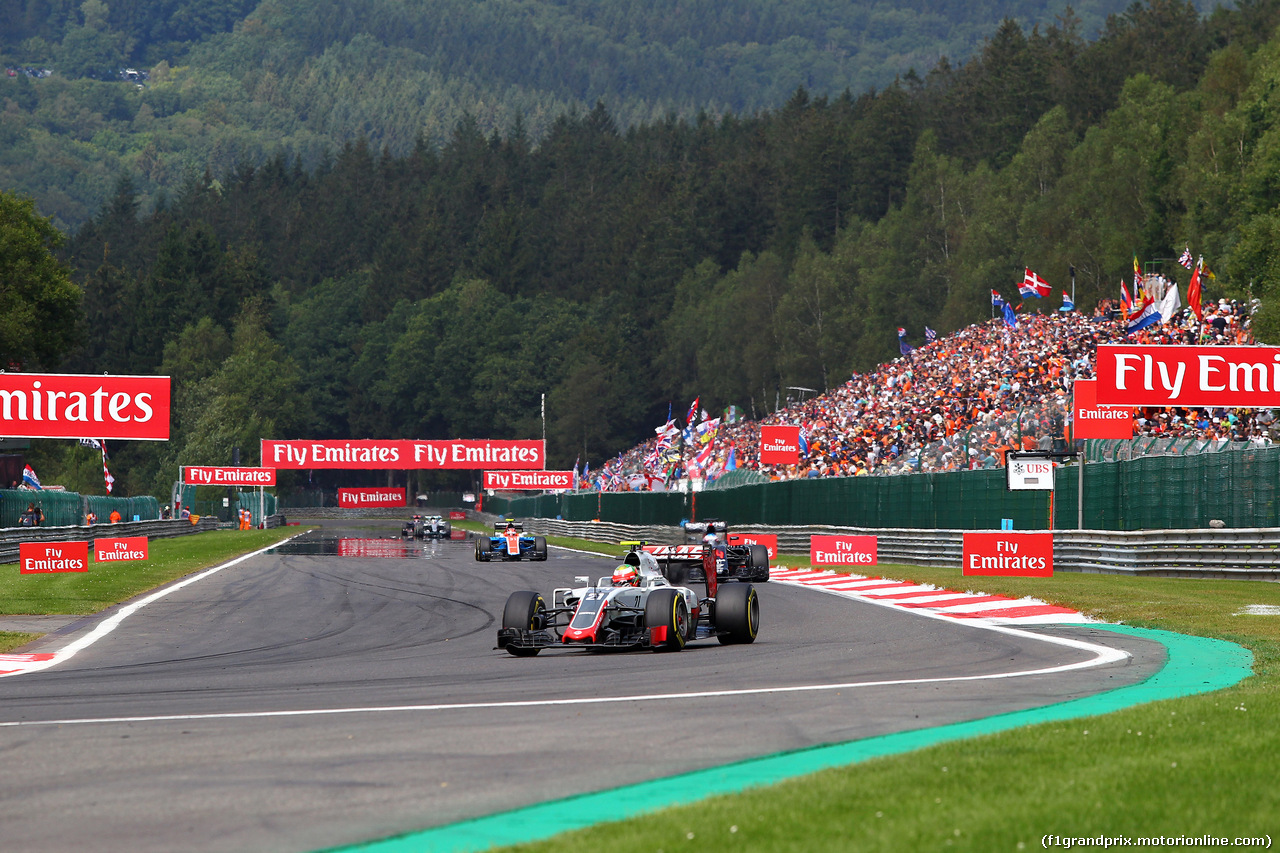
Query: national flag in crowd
{"points": [[804, 441], [1170, 304], [704, 458], [1193, 292], [1146, 314], [693, 411], [1033, 285], [996, 301], [29, 478], [669, 430], [706, 431], [903, 347], [1067, 304], [1126, 304], [1010, 318], [930, 335], [1137, 280], [732, 463], [1186, 260]]}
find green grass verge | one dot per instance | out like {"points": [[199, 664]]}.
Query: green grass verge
{"points": [[10, 640], [105, 584], [1192, 766]]}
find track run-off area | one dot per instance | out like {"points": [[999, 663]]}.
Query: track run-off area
{"points": [[344, 688]]}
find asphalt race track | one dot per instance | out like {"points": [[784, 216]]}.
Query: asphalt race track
{"points": [[352, 641]]}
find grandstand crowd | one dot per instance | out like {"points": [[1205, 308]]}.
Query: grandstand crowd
{"points": [[961, 401]]}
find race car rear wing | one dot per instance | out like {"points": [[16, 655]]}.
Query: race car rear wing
{"points": [[502, 525], [705, 526]]}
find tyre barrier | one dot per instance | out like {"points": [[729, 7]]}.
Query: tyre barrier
{"points": [[1241, 554]]}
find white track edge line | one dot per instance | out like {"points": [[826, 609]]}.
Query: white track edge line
{"points": [[106, 626]]}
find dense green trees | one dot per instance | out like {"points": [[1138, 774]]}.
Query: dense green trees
{"points": [[235, 81], [39, 306]]}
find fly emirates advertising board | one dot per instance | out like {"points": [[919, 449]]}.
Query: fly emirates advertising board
{"points": [[377, 454], [1188, 376], [67, 405]]}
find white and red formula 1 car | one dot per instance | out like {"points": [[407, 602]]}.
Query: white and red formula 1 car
{"points": [[655, 614], [710, 552]]}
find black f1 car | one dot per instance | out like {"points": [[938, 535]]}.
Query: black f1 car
{"points": [[509, 542], [427, 527], [706, 549], [647, 611]]}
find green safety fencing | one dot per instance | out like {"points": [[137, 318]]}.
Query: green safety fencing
{"points": [[65, 509], [60, 508], [249, 501], [1161, 492], [145, 508]]}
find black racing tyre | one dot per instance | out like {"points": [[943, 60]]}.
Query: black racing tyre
{"points": [[737, 614], [666, 607], [484, 548], [759, 563], [525, 611], [676, 573], [446, 530], [539, 547]]}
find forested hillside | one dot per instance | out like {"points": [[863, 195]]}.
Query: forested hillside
{"points": [[441, 293], [223, 83]]}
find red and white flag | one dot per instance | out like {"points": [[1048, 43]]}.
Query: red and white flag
{"points": [[1033, 285]]}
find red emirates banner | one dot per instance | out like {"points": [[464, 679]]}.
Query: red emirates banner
{"points": [[779, 445], [120, 549], [1188, 376], [376, 454], [843, 550], [66, 405], [203, 475], [37, 558], [528, 480], [1089, 420], [457, 515], [768, 540], [370, 497], [1019, 554]]}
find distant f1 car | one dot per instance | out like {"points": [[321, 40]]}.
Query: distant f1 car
{"points": [[712, 552], [644, 610], [510, 543], [427, 527]]}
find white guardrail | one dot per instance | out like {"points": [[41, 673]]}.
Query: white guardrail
{"points": [[1243, 554]]}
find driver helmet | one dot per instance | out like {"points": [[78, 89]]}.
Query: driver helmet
{"points": [[626, 576]]}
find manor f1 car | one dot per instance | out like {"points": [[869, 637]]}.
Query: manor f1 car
{"points": [[643, 611], [427, 527], [509, 542], [693, 562]]}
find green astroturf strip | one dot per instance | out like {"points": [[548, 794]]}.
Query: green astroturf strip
{"points": [[1194, 665]]}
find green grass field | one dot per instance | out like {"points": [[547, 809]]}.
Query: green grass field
{"points": [[1201, 765], [105, 584]]}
